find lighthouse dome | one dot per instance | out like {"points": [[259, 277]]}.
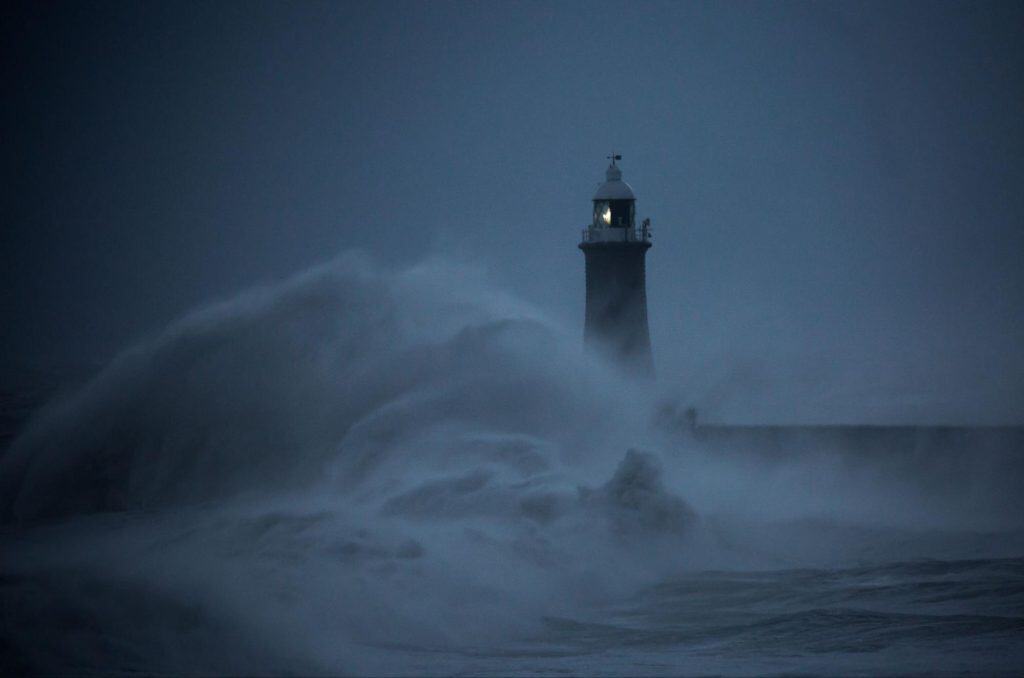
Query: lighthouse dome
{"points": [[614, 188]]}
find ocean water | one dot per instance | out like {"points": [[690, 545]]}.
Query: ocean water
{"points": [[408, 472]]}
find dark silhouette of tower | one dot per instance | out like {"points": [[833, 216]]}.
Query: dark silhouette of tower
{"points": [[615, 249]]}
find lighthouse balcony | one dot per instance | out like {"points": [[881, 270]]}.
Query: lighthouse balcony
{"points": [[631, 234]]}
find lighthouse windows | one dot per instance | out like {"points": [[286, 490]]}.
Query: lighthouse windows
{"points": [[613, 213]]}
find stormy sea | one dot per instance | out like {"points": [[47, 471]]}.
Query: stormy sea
{"points": [[368, 471]]}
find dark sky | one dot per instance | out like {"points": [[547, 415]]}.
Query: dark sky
{"points": [[837, 189]]}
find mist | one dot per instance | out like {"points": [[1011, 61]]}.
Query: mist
{"points": [[292, 370], [378, 470]]}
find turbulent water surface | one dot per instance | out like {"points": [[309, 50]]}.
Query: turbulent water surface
{"points": [[359, 472]]}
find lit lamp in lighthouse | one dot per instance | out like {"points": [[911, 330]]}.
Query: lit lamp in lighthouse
{"points": [[613, 206]]}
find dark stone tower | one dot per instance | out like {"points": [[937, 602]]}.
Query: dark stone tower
{"points": [[615, 248]]}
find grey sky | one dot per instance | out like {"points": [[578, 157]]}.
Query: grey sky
{"points": [[835, 188]]}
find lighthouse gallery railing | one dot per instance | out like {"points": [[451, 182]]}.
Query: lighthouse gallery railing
{"points": [[640, 233]]}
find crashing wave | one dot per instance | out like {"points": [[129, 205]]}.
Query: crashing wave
{"points": [[380, 472]]}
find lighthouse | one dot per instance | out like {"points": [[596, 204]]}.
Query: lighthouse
{"points": [[615, 248]]}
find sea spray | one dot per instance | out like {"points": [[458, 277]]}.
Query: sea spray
{"points": [[364, 470]]}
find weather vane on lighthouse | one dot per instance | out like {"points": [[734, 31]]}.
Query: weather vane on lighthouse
{"points": [[615, 251]]}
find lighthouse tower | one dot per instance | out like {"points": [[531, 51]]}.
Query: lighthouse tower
{"points": [[614, 249]]}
